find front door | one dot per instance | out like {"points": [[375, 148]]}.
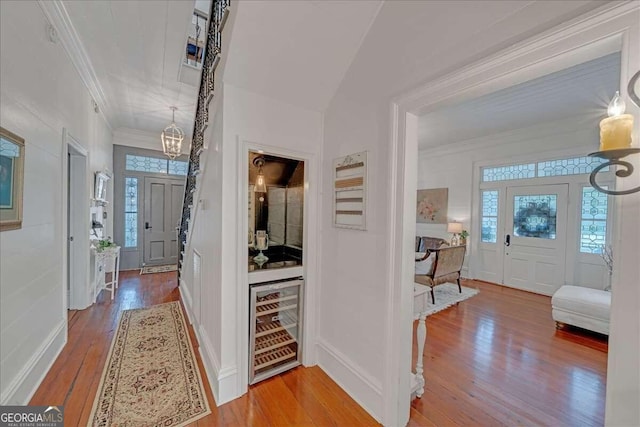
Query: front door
{"points": [[162, 208], [535, 237]]}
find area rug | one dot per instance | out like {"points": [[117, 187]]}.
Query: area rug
{"points": [[158, 268], [447, 295], [151, 376]]}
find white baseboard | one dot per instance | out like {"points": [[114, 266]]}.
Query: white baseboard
{"points": [[361, 386], [25, 384], [187, 301], [223, 381]]}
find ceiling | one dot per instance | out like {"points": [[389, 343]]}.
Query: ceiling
{"points": [[296, 51], [583, 90], [136, 48], [276, 170]]}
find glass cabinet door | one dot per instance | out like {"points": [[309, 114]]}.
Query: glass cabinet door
{"points": [[275, 330]]}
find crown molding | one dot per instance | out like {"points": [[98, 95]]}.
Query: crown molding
{"points": [[436, 90], [139, 138], [57, 15]]}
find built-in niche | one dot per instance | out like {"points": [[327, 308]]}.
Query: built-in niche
{"points": [[276, 207]]}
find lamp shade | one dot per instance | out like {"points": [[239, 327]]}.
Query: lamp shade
{"points": [[454, 227]]}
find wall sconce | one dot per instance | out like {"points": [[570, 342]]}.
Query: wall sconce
{"points": [[615, 140], [261, 186], [455, 228]]}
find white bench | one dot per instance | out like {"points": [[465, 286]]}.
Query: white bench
{"points": [[582, 307]]}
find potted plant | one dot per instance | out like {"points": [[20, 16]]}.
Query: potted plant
{"points": [[103, 244], [463, 237]]}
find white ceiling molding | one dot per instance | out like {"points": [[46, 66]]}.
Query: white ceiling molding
{"points": [[58, 17], [144, 139]]}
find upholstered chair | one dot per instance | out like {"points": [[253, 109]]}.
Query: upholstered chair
{"points": [[446, 268]]}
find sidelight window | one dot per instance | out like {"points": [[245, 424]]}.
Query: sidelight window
{"points": [[593, 221], [490, 216], [131, 213]]}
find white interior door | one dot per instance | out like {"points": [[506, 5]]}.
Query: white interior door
{"points": [[536, 237], [162, 209]]}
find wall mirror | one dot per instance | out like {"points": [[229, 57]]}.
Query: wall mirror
{"points": [[11, 180], [100, 191], [276, 205]]}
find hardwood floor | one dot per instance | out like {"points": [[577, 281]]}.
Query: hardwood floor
{"points": [[300, 397], [495, 359]]}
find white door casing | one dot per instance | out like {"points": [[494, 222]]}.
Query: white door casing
{"points": [[536, 237]]}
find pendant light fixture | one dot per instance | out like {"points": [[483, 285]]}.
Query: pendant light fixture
{"points": [[261, 186], [172, 137]]}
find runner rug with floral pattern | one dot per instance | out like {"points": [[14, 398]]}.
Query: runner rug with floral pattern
{"points": [[151, 376]]}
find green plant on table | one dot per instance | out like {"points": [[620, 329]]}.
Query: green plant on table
{"points": [[105, 244], [464, 234]]}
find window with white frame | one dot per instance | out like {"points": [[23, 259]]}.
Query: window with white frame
{"points": [[155, 165], [559, 167], [131, 212], [593, 220], [489, 216]]}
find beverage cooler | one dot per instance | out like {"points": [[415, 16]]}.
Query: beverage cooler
{"points": [[275, 328]]}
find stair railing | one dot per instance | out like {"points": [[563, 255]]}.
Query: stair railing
{"points": [[218, 14]]}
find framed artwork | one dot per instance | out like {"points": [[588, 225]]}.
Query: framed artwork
{"points": [[432, 206], [349, 191], [11, 180]]}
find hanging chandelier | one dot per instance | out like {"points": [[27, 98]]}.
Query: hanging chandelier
{"points": [[172, 137]]}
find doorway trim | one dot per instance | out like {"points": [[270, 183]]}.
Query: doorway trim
{"points": [[78, 296], [310, 254], [605, 30]]}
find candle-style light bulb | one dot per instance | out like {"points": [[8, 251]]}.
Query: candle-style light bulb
{"points": [[615, 130], [616, 106]]}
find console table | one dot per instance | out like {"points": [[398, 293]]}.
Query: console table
{"points": [[420, 304]]}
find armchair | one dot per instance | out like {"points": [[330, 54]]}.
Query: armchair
{"points": [[446, 268]]}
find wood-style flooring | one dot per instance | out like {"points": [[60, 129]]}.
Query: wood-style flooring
{"points": [[495, 359], [300, 397]]}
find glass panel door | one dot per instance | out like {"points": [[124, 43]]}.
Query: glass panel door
{"points": [[535, 237]]}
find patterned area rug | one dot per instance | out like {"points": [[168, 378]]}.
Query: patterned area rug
{"points": [[447, 295], [151, 376], [158, 268]]}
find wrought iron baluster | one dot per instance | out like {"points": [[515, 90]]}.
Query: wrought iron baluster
{"points": [[218, 13]]}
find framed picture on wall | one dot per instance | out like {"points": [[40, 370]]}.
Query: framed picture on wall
{"points": [[11, 180], [432, 206]]}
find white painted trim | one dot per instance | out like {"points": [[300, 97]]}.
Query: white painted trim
{"points": [[222, 380], [143, 139], [25, 384], [539, 131], [355, 381], [69, 141], [309, 252], [57, 15], [187, 301], [584, 38]]}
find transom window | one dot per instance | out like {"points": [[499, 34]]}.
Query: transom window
{"points": [[155, 165], [560, 167]]}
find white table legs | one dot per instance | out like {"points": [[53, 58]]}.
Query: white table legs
{"points": [[421, 336]]}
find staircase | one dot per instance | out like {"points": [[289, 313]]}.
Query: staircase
{"points": [[218, 14]]}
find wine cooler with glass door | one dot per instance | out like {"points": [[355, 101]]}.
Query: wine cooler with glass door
{"points": [[275, 328]]}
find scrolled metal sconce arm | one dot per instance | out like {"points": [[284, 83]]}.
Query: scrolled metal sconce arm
{"points": [[614, 157]]}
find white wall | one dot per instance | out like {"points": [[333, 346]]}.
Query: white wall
{"points": [[356, 265], [41, 93], [245, 117]]}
